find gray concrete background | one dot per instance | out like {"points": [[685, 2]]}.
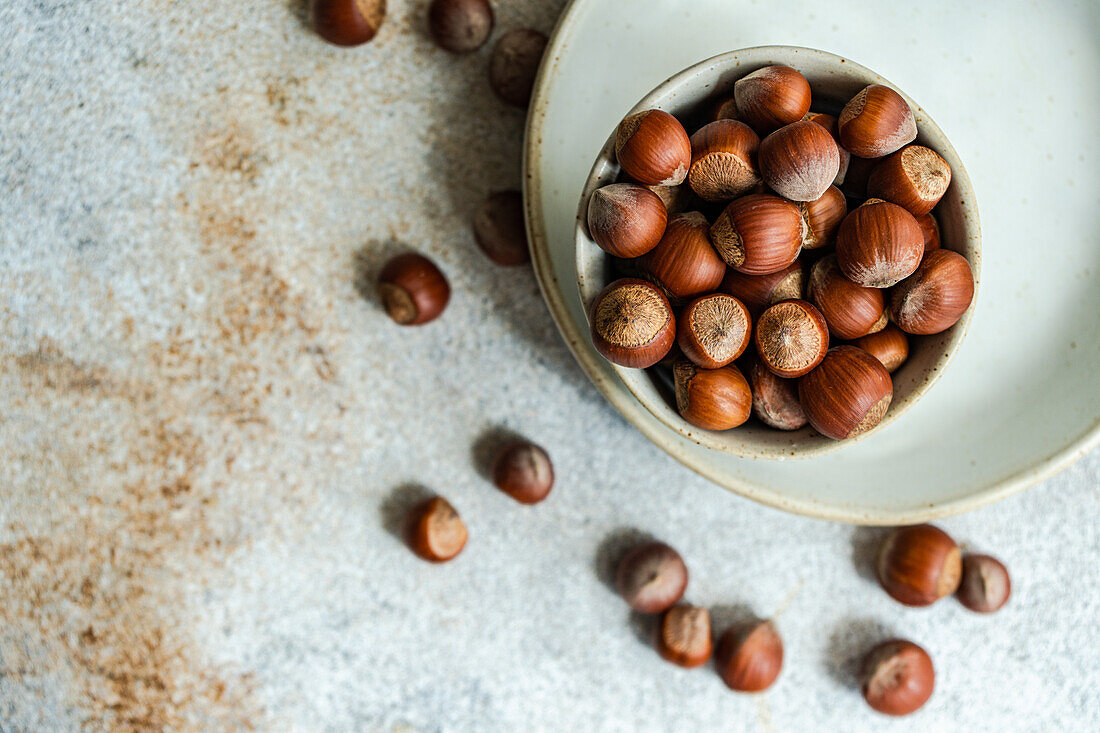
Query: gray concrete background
{"points": [[208, 432]]}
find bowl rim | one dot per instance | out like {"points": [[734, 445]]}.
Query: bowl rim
{"points": [[638, 382]]}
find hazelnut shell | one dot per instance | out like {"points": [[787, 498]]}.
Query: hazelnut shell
{"points": [[758, 234], [713, 330], [712, 399], [632, 324], [879, 244], [876, 122], [799, 161], [933, 298], [771, 97], [626, 220], [850, 310], [898, 677], [653, 148], [684, 262], [915, 178], [919, 565], [723, 160], [847, 394], [791, 338]]}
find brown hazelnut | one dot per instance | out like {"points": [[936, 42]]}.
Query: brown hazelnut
{"points": [[919, 565], [712, 399], [791, 338], [460, 26], [822, 218], [413, 289], [523, 471], [758, 234], [850, 310], [713, 330], [723, 160], [879, 244], [348, 22], [632, 323], [930, 229], [725, 108], [653, 148], [876, 122], [775, 399], [500, 229], [652, 577], [771, 97], [847, 394], [515, 64], [898, 677], [915, 178], [684, 637], [758, 292], [933, 298], [985, 585], [890, 346], [626, 220], [677, 199], [829, 123], [684, 262], [750, 657], [799, 161], [434, 531]]}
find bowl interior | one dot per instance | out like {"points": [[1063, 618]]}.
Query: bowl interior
{"points": [[834, 81]]}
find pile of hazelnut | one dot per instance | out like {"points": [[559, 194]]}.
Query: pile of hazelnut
{"points": [[741, 233]]}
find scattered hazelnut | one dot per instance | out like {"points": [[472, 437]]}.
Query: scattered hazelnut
{"points": [[413, 289], [775, 400], [919, 565], [653, 148], [515, 63], [713, 330], [890, 346], [791, 338], [985, 585], [933, 298], [822, 218], [684, 636], [829, 123], [898, 677], [876, 122], [632, 323], [460, 26], [879, 244], [847, 394], [931, 231], [799, 161], [758, 234], [723, 160], [771, 97], [684, 262], [749, 658], [348, 22], [500, 230], [434, 531], [712, 399], [850, 310], [523, 471], [652, 577], [626, 220], [915, 178], [758, 292], [724, 109]]}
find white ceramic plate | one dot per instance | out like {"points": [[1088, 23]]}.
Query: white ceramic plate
{"points": [[1019, 101]]}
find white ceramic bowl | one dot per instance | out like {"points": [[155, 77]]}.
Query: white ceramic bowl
{"points": [[834, 81]]}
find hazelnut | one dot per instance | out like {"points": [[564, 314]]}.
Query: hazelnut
{"points": [[890, 346], [712, 399], [919, 565], [684, 637], [523, 471], [653, 148], [500, 229], [652, 577], [723, 160], [933, 298], [626, 220], [799, 161], [677, 199], [829, 123], [460, 26], [876, 122], [855, 180], [930, 229], [724, 109], [515, 64], [898, 677], [758, 234], [434, 531], [684, 262], [758, 292], [713, 330], [985, 585], [879, 244], [632, 323], [915, 178], [791, 338], [850, 310], [750, 657], [775, 400], [822, 218], [413, 289], [847, 394], [348, 22], [771, 97]]}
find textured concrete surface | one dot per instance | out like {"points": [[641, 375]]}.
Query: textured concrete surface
{"points": [[208, 432]]}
